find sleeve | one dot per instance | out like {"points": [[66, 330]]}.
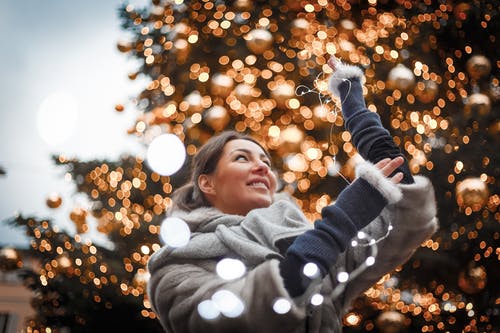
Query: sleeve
{"points": [[357, 205], [413, 219], [371, 139], [176, 290]]}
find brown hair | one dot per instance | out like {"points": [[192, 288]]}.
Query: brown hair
{"points": [[189, 196]]}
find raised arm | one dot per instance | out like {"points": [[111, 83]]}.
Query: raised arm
{"points": [[372, 140]]}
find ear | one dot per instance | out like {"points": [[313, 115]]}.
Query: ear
{"points": [[206, 185]]}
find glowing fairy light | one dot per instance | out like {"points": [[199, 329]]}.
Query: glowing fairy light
{"points": [[317, 299], [370, 261], [342, 277], [311, 270], [228, 303], [282, 306], [166, 154], [230, 269], [207, 310], [174, 232]]}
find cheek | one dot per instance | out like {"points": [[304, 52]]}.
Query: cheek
{"points": [[274, 182]]}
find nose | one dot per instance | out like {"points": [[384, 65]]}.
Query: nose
{"points": [[261, 167]]}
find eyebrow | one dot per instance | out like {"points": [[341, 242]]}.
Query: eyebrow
{"points": [[249, 152]]}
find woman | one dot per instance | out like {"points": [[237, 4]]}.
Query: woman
{"points": [[232, 210]]}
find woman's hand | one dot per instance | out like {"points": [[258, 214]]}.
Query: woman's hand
{"points": [[332, 62], [388, 166]]}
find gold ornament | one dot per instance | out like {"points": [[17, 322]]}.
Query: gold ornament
{"points": [[182, 50], [400, 77], [181, 30], [119, 107], [9, 259], [477, 104], [194, 101], [54, 200], [299, 27], [291, 138], [244, 5], [282, 93], [259, 40], [346, 49], [141, 278], [79, 217], [472, 192], [217, 117], [347, 27], [473, 280], [244, 93], [391, 322], [426, 91], [221, 85], [323, 116], [478, 66]]}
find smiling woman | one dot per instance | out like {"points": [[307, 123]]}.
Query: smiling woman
{"points": [[293, 276]]}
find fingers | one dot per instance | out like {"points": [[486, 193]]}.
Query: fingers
{"points": [[388, 166], [332, 62]]}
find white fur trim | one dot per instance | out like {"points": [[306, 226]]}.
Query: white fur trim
{"points": [[374, 176], [341, 74]]}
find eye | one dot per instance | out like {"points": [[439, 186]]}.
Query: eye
{"points": [[267, 162], [241, 157]]}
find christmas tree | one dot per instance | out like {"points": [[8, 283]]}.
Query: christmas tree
{"points": [[432, 74]]}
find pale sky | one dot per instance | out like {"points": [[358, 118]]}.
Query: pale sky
{"points": [[68, 47]]}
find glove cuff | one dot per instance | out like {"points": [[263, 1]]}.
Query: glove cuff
{"points": [[342, 73], [369, 172]]}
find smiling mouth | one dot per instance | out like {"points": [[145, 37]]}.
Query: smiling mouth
{"points": [[258, 184]]}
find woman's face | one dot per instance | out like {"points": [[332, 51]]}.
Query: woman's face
{"points": [[243, 179]]}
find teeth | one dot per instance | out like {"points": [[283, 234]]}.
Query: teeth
{"points": [[257, 184]]}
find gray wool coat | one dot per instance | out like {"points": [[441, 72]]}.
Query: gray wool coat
{"points": [[182, 278]]}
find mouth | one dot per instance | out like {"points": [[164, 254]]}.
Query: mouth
{"points": [[261, 183]]}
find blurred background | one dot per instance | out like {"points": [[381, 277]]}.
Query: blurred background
{"points": [[58, 53]]}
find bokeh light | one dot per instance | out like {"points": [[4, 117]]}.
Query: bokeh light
{"points": [[174, 232], [57, 118], [166, 154], [230, 269]]}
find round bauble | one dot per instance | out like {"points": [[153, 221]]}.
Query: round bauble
{"points": [[282, 93], [244, 93], [299, 27], [401, 77], [194, 101], [477, 105], [472, 192], [221, 85], [473, 279], [391, 322], [79, 217], [217, 117], [291, 138], [426, 91], [244, 5], [478, 66], [259, 40], [54, 200]]}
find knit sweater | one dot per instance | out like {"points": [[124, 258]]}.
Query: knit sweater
{"points": [[276, 242], [359, 203], [184, 277]]}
